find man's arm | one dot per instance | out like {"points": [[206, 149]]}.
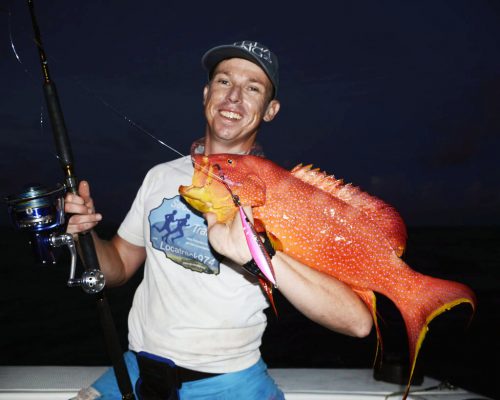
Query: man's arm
{"points": [[318, 296], [321, 297], [118, 259]]}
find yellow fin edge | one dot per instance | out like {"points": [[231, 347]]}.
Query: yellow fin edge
{"points": [[425, 329]]}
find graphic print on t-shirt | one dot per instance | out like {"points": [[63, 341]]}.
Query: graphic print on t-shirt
{"points": [[182, 236]]}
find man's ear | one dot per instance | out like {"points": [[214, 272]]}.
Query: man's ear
{"points": [[272, 109], [205, 93]]}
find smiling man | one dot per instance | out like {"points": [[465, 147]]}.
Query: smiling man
{"points": [[197, 319]]}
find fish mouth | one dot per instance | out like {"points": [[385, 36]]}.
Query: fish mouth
{"points": [[196, 197], [203, 200], [207, 193]]}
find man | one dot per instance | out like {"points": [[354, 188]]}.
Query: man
{"points": [[196, 308]]}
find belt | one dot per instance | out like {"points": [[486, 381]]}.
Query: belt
{"points": [[165, 367], [188, 375]]}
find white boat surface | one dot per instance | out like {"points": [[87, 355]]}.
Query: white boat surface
{"points": [[63, 382]]}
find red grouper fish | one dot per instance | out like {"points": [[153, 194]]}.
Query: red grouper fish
{"points": [[330, 226]]}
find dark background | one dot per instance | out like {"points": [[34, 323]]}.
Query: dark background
{"points": [[400, 98]]}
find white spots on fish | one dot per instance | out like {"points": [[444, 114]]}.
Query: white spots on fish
{"points": [[340, 238]]}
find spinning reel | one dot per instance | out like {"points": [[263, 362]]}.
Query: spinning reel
{"points": [[39, 211]]}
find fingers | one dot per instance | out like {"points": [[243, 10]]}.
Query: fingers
{"points": [[84, 191], [217, 233], [82, 223], [80, 203], [81, 206]]}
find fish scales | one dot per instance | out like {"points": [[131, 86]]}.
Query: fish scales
{"points": [[327, 236]]}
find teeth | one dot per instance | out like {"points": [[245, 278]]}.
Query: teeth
{"points": [[230, 114]]}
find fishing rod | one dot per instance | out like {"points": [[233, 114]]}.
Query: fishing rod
{"points": [[40, 211]]}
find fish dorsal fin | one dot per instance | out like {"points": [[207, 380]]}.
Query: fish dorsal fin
{"points": [[382, 214]]}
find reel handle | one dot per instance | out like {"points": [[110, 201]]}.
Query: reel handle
{"points": [[92, 280]]}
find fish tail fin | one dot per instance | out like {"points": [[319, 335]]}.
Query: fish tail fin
{"points": [[423, 300], [369, 299]]}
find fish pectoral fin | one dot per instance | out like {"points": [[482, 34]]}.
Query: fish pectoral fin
{"points": [[261, 228], [276, 243], [259, 225]]}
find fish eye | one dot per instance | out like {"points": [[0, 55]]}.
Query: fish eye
{"points": [[229, 161]]}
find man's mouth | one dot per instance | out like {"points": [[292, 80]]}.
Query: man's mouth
{"points": [[231, 115]]}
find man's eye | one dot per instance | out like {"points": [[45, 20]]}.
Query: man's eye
{"points": [[223, 81], [254, 89]]}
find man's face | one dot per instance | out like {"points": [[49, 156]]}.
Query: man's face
{"points": [[236, 100]]}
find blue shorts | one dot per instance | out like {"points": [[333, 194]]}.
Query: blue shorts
{"points": [[253, 383]]}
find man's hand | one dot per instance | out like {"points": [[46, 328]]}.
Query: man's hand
{"points": [[84, 217], [229, 239]]}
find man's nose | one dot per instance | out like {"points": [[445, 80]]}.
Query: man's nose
{"points": [[234, 94]]}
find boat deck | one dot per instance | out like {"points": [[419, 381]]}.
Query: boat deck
{"points": [[63, 382]]}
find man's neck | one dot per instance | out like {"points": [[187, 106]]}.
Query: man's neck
{"points": [[217, 147], [200, 146]]}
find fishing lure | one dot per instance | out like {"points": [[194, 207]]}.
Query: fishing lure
{"points": [[257, 249]]}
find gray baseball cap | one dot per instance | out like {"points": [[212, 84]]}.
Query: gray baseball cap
{"points": [[249, 50]]}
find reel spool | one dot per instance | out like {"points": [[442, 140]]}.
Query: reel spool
{"points": [[39, 211]]}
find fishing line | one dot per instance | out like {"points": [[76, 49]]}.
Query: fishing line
{"points": [[259, 254], [27, 72], [13, 47], [125, 117], [11, 39], [111, 107], [145, 131], [82, 86]]}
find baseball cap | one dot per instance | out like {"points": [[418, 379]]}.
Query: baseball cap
{"points": [[249, 50]]}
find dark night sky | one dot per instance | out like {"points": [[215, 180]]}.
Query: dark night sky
{"points": [[400, 98]]}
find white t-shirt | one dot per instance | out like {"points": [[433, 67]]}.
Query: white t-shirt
{"points": [[201, 314]]}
